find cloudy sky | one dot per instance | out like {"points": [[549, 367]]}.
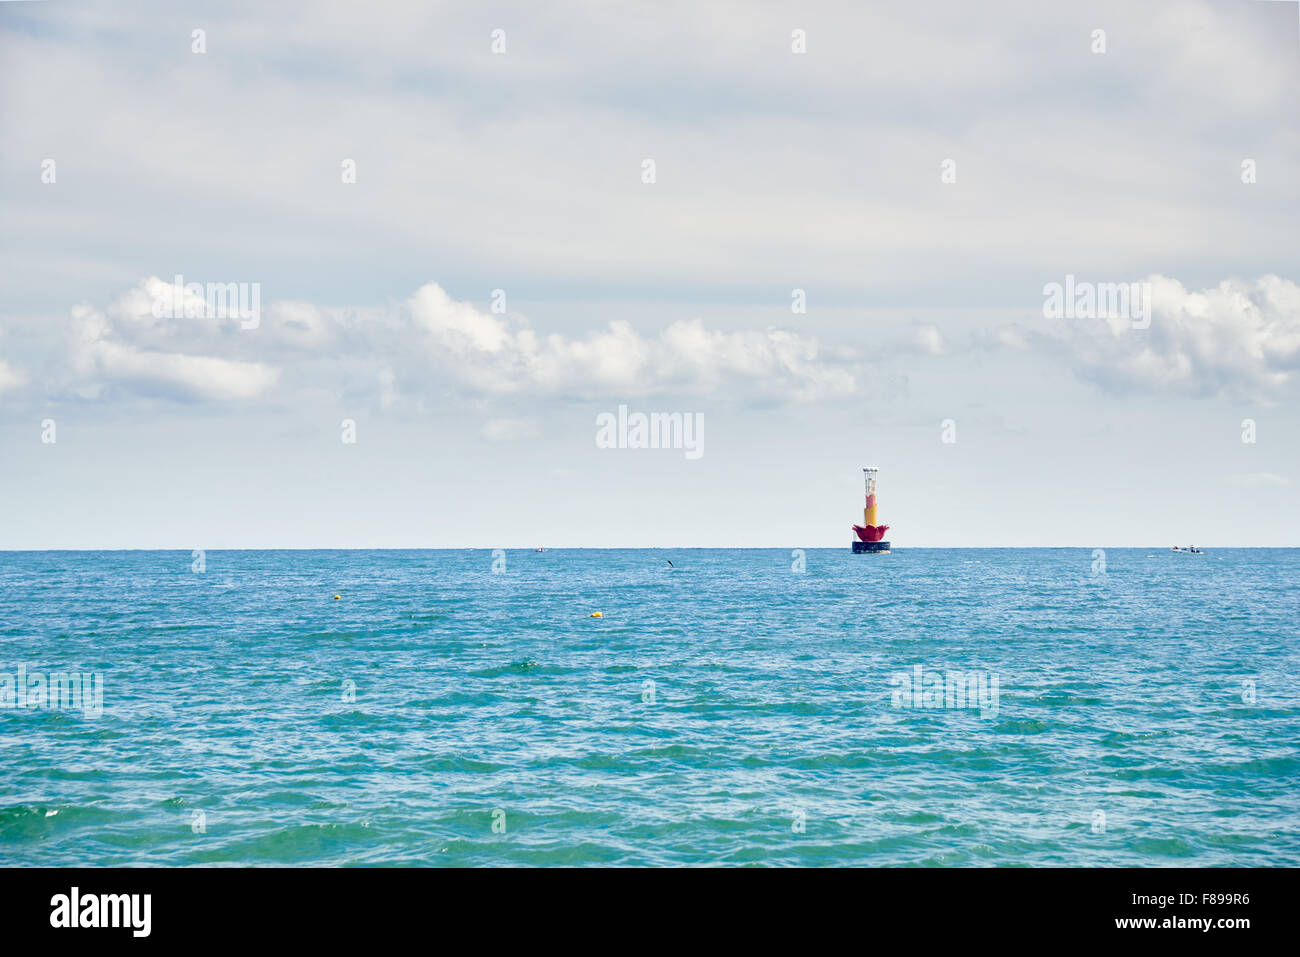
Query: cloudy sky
{"points": [[501, 272]]}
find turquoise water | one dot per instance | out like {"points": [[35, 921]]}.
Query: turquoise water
{"points": [[728, 710]]}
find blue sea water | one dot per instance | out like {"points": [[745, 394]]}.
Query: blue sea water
{"points": [[455, 708]]}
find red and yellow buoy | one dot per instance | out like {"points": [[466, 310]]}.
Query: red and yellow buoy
{"points": [[871, 533]]}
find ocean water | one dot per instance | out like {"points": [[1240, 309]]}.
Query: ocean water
{"points": [[455, 708]]}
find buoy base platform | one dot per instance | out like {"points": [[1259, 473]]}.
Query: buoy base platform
{"points": [[875, 548]]}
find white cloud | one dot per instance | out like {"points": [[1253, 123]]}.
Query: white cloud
{"points": [[1239, 339], [104, 356], [426, 345], [534, 156], [927, 338], [504, 355], [10, 378]]}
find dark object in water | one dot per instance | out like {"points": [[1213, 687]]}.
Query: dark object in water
{"points": [[877, 548]]}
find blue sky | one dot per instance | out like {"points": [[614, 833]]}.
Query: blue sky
{"points": [[522, 171]]}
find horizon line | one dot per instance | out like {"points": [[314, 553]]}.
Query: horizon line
{"points": [[552, 548]]}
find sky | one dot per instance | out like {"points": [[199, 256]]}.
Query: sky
{"points": [[825, 231]]}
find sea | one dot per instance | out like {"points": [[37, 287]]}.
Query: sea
{"points": [[751, 707]]}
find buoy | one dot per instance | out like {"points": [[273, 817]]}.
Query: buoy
{"points": [[870, 534], [336, 597], [595, 614]]}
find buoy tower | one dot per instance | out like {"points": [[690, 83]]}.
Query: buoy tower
{"points": [[870, 534]]}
